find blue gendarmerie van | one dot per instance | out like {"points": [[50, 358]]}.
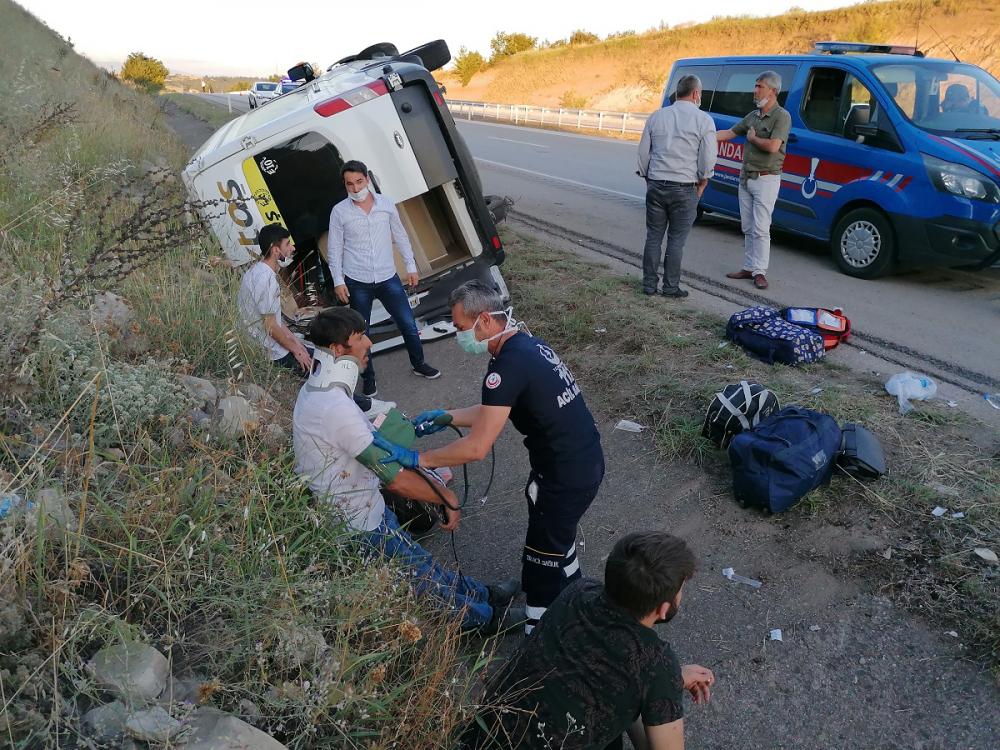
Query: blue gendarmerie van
{"points": [[893, 157]]}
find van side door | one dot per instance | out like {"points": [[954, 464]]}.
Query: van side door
{"points": [[731, 101], [833, 163]]}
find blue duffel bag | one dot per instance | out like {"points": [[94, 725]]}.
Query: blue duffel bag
{"points": [[763, 334], [784, 458]]}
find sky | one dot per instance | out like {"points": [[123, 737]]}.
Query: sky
{"points": [[261, 37]]}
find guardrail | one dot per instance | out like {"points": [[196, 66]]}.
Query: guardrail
{"points": [[621, 122]]}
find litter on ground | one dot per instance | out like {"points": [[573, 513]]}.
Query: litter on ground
{"points": [[814, 628], [939, 511], [732, 576], [627, 426], [960, 514], [776, 634], [814, 391]]}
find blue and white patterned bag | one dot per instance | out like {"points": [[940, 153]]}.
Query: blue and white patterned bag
{"points": [[766, 336]]}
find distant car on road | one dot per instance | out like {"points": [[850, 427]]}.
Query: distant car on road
{"points": [[263, 91]]}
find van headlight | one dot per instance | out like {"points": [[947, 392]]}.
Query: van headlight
{"points": [[961, 181]]}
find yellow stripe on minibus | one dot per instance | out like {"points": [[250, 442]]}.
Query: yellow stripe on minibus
{"points": [[261, 195]]}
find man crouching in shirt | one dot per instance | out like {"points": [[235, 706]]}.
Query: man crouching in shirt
{"points": [[334, 451]]}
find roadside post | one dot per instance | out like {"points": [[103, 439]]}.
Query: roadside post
{"points": [[229, 101]]}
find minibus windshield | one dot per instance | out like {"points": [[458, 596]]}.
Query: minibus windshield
{"points": [[944, 98]]}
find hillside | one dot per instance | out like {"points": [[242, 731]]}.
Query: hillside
{"points": [[629, 73]]}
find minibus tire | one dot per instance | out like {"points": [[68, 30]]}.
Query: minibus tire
{"points": [[433, 55], [872, 234]]}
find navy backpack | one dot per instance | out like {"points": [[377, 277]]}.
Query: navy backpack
{"points": [[784, 458]]}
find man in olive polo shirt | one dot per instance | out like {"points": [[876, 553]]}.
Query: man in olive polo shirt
{"points": [[766, 129]]}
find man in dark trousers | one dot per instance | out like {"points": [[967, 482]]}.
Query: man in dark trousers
{"points": [[527, 383], [676, 158], [363, 228], [595, 669]]}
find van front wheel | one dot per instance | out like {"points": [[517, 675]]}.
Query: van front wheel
{"points": [[863, 244]]}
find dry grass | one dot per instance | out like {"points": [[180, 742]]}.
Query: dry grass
{"points": [[643, 61], [660, 362], [214, 114]]}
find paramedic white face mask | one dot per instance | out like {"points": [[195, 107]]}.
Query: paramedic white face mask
{"points": [[330, 371], [761, 103], [361, 195], [284, 262], [468, 341]]}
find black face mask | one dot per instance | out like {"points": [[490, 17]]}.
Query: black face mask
{"points": [[671, 613]]}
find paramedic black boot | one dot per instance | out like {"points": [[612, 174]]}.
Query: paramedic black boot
{"points": [[502, 593]]}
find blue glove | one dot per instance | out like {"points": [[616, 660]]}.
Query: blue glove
{"points": [[430, 422], [397, 454]]}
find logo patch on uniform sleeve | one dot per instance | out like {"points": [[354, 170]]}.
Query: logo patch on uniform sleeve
{"points": [[492, 380]]}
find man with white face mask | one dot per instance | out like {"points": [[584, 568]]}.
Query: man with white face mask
{"points": [[766, 128], [259, 301], [363, 228], [527, 383]]}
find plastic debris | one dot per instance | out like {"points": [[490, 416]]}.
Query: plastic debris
{"points": [[953, 404], [732, 576], [960, 514], [600, 330], [952, 633], [862, 351], [814, 628], [939, 511], [814, 391], [723, 345], [729, 367], [993, 399], [987, 554], [11, 503], [888, 553], [626, 426], [905, 386], [776, 634]]}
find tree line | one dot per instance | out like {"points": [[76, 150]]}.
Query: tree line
{"points": [[504, 45]]}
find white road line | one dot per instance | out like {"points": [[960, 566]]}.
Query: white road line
{"points": [[562, 179], [511, 140]]}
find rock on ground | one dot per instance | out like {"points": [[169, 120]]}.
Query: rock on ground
{"points": [[131, 670], [203, 392], [152, 725], [215, 730], [235, 415], [106, 723]]}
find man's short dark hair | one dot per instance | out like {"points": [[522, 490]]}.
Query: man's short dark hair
{"points": [[271, 236], [353, 166], [647, 569], [687, 85], [335, 326]]}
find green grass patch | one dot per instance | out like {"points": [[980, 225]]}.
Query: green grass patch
{"points": [[214, 114]]}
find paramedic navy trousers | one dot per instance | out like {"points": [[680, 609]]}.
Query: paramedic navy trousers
{"points": [[549, 563]]}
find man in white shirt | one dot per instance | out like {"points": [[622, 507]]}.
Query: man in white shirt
{"points": [[259, 304], [334, 451], [676, 158], [363, 228]]}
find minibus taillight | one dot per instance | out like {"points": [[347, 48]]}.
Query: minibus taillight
{"points": [[352, 98]]}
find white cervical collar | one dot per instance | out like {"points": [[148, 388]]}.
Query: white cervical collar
{"points": [[330, 371]]}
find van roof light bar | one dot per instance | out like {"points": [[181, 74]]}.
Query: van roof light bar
{"points": [[840, 48]]}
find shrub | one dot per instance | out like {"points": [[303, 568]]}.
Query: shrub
{"points": [[507, 45], [583, 37], [145, 72], [467, 64], [572, 100]]}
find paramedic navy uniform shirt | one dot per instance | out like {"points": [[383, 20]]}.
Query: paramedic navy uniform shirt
{"points": [[547, 407]]}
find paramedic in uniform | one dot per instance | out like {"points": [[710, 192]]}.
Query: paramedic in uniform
{"points": [[527, 383]]}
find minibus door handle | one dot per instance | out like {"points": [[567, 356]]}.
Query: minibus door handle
{"points": [[792, 138]]}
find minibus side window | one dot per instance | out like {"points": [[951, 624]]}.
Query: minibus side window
{"points": [[835, 101], [734, 93], [709, 75]]}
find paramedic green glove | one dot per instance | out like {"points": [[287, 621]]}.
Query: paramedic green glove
{"points": [[397, 454], [430, 422]]}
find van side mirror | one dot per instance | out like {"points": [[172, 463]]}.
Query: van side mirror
{"points": [[302, 71], [881, 135]]}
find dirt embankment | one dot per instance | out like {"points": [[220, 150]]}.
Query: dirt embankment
{"points": [[629, 73]]}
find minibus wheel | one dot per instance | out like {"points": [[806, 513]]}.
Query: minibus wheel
{"points": [[864, 244]]}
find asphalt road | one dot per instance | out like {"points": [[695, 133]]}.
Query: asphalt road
{"points": [[240, 103], [584, 190]]}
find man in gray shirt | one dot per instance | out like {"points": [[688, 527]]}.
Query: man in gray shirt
{"points": [[676, 157]]}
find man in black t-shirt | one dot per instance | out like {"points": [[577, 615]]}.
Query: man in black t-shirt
{"points": [[594, 668], [529, 384]]}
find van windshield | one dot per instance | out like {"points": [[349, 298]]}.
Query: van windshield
{"points": [[948, 99]]}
